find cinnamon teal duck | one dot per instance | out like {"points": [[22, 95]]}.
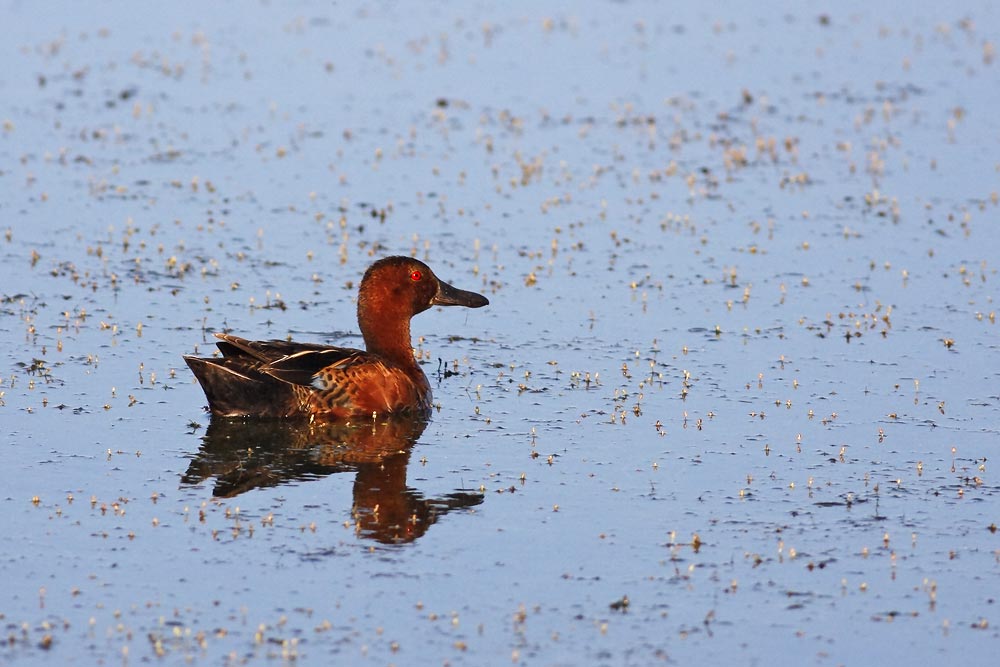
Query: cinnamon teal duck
{"points": [[286, 379]]}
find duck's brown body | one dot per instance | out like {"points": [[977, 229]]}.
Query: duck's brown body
{"points": [[281, 379], [286, 379]]}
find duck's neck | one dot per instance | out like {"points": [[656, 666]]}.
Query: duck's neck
{"points": [[386, 335]]}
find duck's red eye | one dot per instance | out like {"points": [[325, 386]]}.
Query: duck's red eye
{"points": [[415, 276]]}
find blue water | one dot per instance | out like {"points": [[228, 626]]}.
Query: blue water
{"points": [[740, 364]]}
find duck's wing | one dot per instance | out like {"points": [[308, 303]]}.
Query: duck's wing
{"points": [[265, 351], [294, 363], [319, 368]]}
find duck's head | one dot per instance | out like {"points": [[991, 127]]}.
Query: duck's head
{"points": [[394, 289], [408, 282]]}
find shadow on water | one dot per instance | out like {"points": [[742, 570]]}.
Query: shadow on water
{"points": [[246, 455]]}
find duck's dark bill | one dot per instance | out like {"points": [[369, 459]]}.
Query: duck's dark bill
{"points": [[452, 296]]}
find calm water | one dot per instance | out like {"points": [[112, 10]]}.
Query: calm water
{"points": [[735, 399]]}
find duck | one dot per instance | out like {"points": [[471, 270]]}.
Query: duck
{"points": [[286, 379]]}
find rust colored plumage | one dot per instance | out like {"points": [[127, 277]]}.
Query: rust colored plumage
{"points": [[287, 379]]}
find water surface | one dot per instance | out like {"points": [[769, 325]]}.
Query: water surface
{"points": [[734, 398]]}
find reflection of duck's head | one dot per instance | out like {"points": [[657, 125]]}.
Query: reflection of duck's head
{"points": [[286, 379], [245, 455], [389, 511]]}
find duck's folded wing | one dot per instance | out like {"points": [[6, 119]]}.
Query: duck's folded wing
{"points": [[306, 364], [265, 351], [315, 367]]}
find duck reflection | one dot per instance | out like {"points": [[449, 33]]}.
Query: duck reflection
{"points": [[245, 455]]}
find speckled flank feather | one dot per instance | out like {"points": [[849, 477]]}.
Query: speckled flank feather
{"points": [[368, 385], [285, 379]]}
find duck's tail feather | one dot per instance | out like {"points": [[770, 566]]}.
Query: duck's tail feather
{"points": [[234, 389]]}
